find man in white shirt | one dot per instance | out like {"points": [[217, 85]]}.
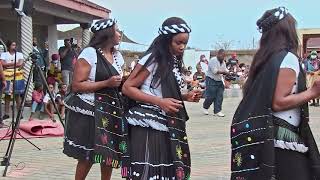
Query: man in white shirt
{"points": [[215, 84]]}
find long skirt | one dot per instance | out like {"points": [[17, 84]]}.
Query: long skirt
{"points": [[150, 152], [291, 165]]}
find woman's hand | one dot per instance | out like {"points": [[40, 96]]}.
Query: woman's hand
{"points": [[315, 89], [170, 105], [193, 96], [114, 81]]}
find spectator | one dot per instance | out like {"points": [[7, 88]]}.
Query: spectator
{"points": [[189, 79], [203, 63], [40, 61], [48, 104], [37, 100], [199, 76], [313, 66], [233, 61], [7, 60], [60, 97], [215, 84], [67, 56], [54, 73]]}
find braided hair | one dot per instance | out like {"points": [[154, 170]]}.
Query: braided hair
{"points": [[278, 28]]}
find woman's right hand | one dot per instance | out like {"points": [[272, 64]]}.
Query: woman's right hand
{"points": [[170, 105], [315, 89], [114, 81]]}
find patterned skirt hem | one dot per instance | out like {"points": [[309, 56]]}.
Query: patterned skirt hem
{"points": [[78, 152]]}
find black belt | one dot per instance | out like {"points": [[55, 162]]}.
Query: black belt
{"points": [[282, 123]]}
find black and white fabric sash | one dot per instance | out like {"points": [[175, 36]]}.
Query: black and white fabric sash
{"points": [[111, 129], [252, 129], [177, 129]]}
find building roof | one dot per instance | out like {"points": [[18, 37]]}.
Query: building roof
{"points": [[83, 6], [77, 32], [91, 4]]}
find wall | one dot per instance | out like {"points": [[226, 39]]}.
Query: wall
{"points": [[8, 30], [244, 56]]}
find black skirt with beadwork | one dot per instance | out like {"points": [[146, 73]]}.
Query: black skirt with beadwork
{"points": [[150, 152], [80, 129]]}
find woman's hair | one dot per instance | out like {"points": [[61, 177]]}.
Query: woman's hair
{"points": [[276, 36], [160, 53], [9, 43], [103, 37]]}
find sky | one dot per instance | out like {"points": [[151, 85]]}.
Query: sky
{"points": [[211, 21]]}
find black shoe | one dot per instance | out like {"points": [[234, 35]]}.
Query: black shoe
{"points": [[5, 117]]}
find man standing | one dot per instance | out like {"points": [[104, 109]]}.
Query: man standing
{"points": [[214, 84], [67, 55], [41, 62]]}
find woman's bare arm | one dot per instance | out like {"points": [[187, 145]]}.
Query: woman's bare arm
{"points": [[283, 99], [132, 84], [131, 89], [81, 75]]}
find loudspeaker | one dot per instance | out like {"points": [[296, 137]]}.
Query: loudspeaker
{"points": [[23, 7]]}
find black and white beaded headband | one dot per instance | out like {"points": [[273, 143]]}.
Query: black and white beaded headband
{"points": [[102, 24], [276, 17], [174, 29]]}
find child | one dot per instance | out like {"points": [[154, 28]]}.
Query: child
{"points": [[54, 73], [37, 100], [48, 104], [60, 97]]}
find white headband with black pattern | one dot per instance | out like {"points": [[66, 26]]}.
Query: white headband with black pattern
{"points": [[102, 24], [174, 29], [281, 13], [273, 19]]}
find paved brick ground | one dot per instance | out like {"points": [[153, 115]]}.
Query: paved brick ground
{"points": [[209, 143]]}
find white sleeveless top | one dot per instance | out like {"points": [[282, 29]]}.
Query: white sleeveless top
{"points": [[292, 116], [90, 55]]}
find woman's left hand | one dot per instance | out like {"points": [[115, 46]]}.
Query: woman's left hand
{"points": [[193, 96]]}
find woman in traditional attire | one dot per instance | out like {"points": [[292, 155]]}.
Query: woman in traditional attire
{"points": [[95, 127], [158, 144], [12, 62], [270, 133]]}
